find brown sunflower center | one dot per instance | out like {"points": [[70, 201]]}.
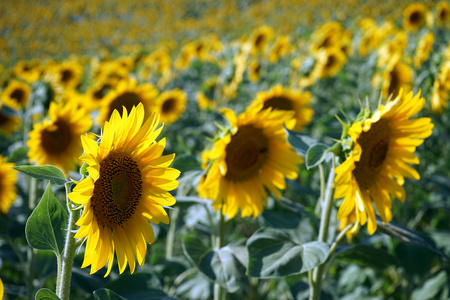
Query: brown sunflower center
{"points": [[168, 105], [246, 153], [117, 191], [127, 99], [4, 119], [66, 76], [395, 84], [278, 102], [416, 18], [331, 61], [57, 139], [375, 146], [18, 95]]}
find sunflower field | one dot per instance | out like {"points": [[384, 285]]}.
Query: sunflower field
{"points": [[248, 149]]}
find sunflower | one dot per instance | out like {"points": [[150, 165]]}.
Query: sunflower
{"points": [[8, 179], [382, 147], [414, 16], [9, 120], [29, 71], [397, 75], [55, 141], [260, 38], [250, 157], [439, 97], [127, 94], [170, 105], [279, 98], [423, 49], [205, 97], [128, 185], [254, 70], [443, 13], [281, 47], [329, 61], [16, 94]]}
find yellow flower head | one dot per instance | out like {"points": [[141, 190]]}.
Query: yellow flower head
{"points": [[414, 16], [396, 76], [8, 179], [423, 50], [170, 105], [55, 141], [443, 13], [383, 146], [128, 186], [279, 98], [251, 157], [16, 94]]}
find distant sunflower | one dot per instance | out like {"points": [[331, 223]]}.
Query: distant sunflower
{"points": [[383, 146], [254, 70], [127, 94], [443, 13], [398, 75], [414, 16], [281, 47], [260, 38], [128, 185], [279, 98], [329, 62], [170, 105], [8, 179], [16, 94], [439, 97], [56, 141], [9, 120], [251, 157], [205, 98], [70, 74], [423, 49], [29, 71]]}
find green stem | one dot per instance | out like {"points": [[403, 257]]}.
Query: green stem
{"points": [[316, 276], [171, 234], [63, 289], [218, 291], [31, 251]]}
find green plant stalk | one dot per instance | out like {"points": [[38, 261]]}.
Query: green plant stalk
{"points": [[316, 276], [64, 277], [171, 234], [218, 291], [31, 251]]}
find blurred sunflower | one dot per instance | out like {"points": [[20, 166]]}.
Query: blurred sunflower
{"points": [[254, 70], [9, 120], [206, 97], [8, 179], [69, 74], [281, 47], [29, 71], [170, 105], [382, 147], [252, 156], [16, 94], [55, 141], [127, 94], [128, 185], [423, 49], [279, 98], [260, 38], [443, 13], [414, 16], [329, 61], [397, 75], [439, 97], [327, 36]]}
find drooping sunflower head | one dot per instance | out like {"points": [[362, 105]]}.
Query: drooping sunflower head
{"points": [[170, 105], [127, 94], [414, 16], [16, 94], [8, 179], [382, 147], [56, 140], [279, 98], [128, 186], [251, 157]]}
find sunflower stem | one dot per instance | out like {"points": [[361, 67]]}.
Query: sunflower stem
{"points": [[171, 234], [218, 291], [316, 276], [64, 277], [31, 251]]}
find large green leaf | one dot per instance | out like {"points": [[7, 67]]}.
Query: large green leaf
{"points": [[105, 294], [315, 155], [300, 142], [272, 253], [46, 294], [366, 256], [431, 287], [44, 228], [51, 173]]}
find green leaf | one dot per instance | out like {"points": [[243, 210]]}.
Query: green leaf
{"points": [[365, 255], [228, 269], [273, 254], [300, 142], [431, 287], [105, 294], [315, 155], [19, 154], [51, 173], [46, 294], [44, 228], [408, 236]]}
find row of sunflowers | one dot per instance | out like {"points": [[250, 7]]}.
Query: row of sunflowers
{"points": [[243, 162]]}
